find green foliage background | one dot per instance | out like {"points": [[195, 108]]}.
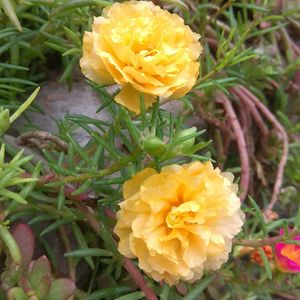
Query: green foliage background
{"points": [[37, 37]]}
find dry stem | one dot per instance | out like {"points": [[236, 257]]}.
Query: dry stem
{"points": [[36, 136]]}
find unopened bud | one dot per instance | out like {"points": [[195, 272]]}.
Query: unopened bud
{"points": [[4, 120], [154, 145], [180, 135]]}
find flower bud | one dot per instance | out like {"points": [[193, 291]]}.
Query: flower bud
{"points": [[154, 145], [186, 144], [4, 120], [255, 256]]}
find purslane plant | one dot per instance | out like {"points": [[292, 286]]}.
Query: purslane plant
{"points": [[76, 189]]}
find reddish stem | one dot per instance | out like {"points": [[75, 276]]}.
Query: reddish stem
{"points": [[212, 42], [111, 214], [244, 119], [139, 279], [69, 189], [241, 143], [268, 240], [279, 128], [279, 4], [253, 110], [296, 137]]}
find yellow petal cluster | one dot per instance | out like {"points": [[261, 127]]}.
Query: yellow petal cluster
{"points": [[143, 48], [179, 222]]}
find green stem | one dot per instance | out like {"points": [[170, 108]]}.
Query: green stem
{"points": [[114, 168], [208, 75]]}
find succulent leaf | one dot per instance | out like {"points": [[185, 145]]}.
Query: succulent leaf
{"points": [[61, 289]]}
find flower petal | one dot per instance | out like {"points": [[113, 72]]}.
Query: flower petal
{"points": [[130, 98], [133, 185], [91, 64]]}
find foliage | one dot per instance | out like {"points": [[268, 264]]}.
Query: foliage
{"points": [[72, 190], [31, 277]]}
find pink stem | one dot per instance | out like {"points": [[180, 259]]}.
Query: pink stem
{"points": [[139, 279], [244, 118], [255, 114], [273, 83], [181, 289], [212, 43], [241, 143], [267, 113], [296, 137], [227, 138], [268, 240], [279, 5], [111, 214]]}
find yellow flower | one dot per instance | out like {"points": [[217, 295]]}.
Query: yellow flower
{"points": [[180, 221], [144, 49]]}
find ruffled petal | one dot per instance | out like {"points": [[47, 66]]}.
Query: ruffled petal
{"points": [[133, 185], [91, 64], [130, 98]]}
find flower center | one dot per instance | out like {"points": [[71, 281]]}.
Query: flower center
{"points": [[292, 253], [183, 215]]}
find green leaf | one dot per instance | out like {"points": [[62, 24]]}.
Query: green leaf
{"points": [[61, 289], [72, 51], [73, 36], [12, 195], [54, 226], [9, 9], [250, 6], [57, 47], [83, 187], [88, 252], [106, 293], [259, 215], [16, 293], [78, 149], [61, 197], [10, 244], [265, 262], [178, 4], [132, 296], [44, 287], [267, 30], [41, 218], [82, 244], [133, 130], [199, 288], [40, 269], [77, 4], [25, 105], [35, 175], [68, 70], [165, 292]]}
